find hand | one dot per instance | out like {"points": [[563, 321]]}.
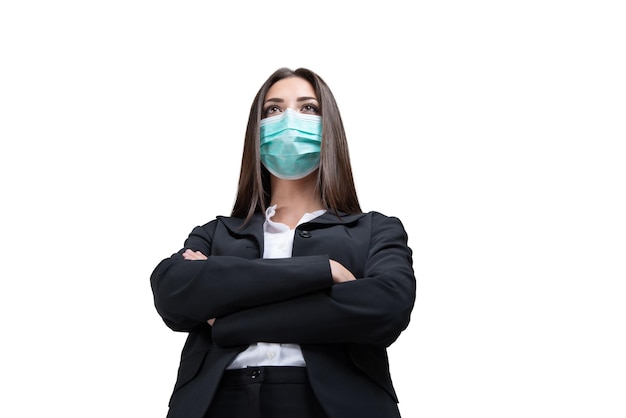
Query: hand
{"points": [[340, 273], [194, 255]]}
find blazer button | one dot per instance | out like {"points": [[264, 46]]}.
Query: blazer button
{"points": [[304, 234]]}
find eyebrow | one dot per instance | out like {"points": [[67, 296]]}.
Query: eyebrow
{"points": [[299, 99]]}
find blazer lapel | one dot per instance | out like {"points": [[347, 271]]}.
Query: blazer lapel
{"points": [[254, 228]]}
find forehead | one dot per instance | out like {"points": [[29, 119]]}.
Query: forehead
{"points": [[291, 87]]}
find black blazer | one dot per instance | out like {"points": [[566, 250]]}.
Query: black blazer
{"points": [[343, 329]]}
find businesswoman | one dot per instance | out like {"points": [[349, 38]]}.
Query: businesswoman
{"points": [[290, 302]]}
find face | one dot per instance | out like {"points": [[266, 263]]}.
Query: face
{"points": [[291, 93]]}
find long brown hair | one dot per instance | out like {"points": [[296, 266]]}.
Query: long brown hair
{"points": [[334, 180]]}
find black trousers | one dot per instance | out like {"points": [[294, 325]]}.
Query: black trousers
{"points": [[265, 392]]}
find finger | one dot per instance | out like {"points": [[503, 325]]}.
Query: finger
{"points": [[199, 255]]}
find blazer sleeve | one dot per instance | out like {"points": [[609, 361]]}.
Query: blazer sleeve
{"points": [[188, 293], [373, 309]]}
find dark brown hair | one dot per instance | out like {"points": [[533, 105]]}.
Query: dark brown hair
{"points": [[334, 181]]}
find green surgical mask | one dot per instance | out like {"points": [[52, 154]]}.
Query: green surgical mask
{"points": [[291, 143]]}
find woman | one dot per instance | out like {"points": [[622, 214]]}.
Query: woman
{"points": [[291, 301]]}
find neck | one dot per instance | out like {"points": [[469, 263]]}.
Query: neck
{"points": [[294, 198]]}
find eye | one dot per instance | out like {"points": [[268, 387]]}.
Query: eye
{"points": [[270, 110], [310, 108]]}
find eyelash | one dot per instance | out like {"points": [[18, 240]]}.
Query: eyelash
{"points": [[266, 111], [313, 107]]}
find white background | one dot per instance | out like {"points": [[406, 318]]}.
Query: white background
{"points": [[494, 129]]}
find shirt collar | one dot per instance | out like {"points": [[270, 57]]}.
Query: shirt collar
{"points": [[271, 226]]}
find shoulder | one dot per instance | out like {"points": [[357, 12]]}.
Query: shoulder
{"points": [[387, 225], [208, 227], [372, 219], [236, 226], [206, 230], [381, 218], [222, 219]]}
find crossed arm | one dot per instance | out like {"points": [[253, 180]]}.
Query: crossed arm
{"points": [[339, 273], [304, 299]]}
